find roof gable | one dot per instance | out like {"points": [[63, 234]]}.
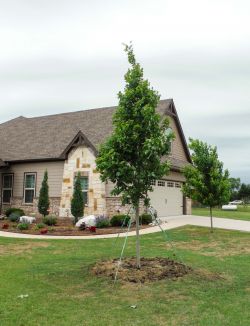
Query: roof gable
{"points": [[181, 133], [78, 140]]}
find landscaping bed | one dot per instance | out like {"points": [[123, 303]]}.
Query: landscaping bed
{"points": [[63, 227], [15, 220]]}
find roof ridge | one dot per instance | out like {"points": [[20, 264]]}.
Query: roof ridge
{"points": [[71, 112], [86, 110], [21, 117]]}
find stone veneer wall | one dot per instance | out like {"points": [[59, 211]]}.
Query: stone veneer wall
{"points": [[33, 208], [82, 159], [114, 207]]}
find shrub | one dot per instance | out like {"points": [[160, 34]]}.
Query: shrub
{"points": [[77, 201], [102, 221], [43, 202], [14, 210], [40, 226], [23, 226], [14, 217], [119, 220], [103, 224], [145, 218], [50, 220], [99, 218]]}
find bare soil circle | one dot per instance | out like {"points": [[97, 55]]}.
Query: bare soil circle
{"points": [[152, 269]]}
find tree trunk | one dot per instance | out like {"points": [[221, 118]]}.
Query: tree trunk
{"points": [[138, 258], [211, 220]]}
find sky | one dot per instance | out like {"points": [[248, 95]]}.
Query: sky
{"points": [[67, 55]]}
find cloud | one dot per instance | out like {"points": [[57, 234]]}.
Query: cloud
{"points": [[59, 56]]}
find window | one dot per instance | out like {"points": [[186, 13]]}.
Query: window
{"points": [[161, 183], [85, 189], [153, 182], [170, 184], [169, 131], [177, 185], [7, 188], [29, 187]]}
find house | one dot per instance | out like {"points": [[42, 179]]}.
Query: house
{"points": [[66, 144]]}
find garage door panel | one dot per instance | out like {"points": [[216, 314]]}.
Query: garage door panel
{"points": [[167, 198]]}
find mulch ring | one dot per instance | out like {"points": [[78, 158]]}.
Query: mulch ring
{"points": [[152, 269]]}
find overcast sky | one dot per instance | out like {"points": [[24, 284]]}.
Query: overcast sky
{"points": [[67, 55]]}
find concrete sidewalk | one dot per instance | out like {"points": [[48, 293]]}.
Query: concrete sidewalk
{"points": [[171, 223], [221, 223]]}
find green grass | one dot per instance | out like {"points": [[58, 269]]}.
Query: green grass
{"points": [[242, 213], [56, 274]]}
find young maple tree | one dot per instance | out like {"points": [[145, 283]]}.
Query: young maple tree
{"points": [[133, 156], [43, 202], [206, 182]]}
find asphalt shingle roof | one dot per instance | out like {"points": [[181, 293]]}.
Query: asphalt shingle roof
{"points": [[47, 137]]}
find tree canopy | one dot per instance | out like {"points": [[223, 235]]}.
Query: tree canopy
{"points": [[235, 185], [244, 192], [206, 181], [132, 157]]}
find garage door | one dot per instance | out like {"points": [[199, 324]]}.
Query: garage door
{"points": [[167, 198]]}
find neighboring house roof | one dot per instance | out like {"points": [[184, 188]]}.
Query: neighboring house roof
{"points": [[49, 137]]}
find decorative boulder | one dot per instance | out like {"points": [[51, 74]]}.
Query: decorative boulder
{"points": [[89, 220], [27, 219]]}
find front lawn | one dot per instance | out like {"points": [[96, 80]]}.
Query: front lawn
{"points": [[242, 213], [56, 275]]}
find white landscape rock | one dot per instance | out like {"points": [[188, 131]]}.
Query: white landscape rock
{"points": [[89, 220], [27, 219], [157, 221]]}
